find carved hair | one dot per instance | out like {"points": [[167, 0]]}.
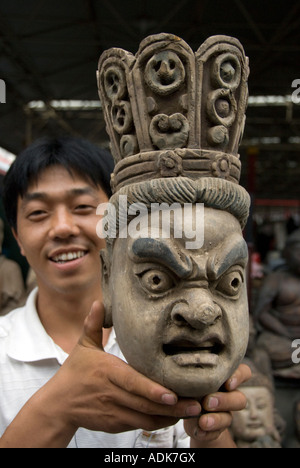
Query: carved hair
{"points": [[213, 193]]}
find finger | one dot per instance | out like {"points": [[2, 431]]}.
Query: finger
{"points": [[140, 393], [241, 375], [93, 324], [193, 429], [203, 436], [182, 410], [123, 420], [215, 422], [231, 401], [133, 382]]}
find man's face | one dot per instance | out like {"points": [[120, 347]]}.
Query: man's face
{"points": [[181, 316], [56, 223]]}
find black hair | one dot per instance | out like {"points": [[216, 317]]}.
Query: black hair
{"points": [[74, 154]]}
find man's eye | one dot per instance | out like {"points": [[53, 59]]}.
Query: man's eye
{"points": [[37, 214], [156, 281], [231, 283], [85, 208]]}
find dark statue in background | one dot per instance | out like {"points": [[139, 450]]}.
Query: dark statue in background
{"points": [[278, 312]]}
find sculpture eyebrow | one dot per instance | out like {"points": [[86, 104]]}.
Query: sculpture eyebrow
{"points": [[233, 253], [158, 250]]}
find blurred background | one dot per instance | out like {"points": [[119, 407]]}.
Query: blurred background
{"points": [[49, 52]]}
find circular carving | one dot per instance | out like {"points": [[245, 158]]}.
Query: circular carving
{"points": [[218, 135], [221, 166], [164, 72], [128, 145], [115, 83], [121, 117], [169, 132], [170, 164], [222, 107], [227, 71]]}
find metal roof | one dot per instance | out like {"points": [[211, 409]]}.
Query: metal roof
{"points": [[49, 50]]}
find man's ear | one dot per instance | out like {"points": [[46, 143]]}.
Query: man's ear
{"points": [[105, 282], [15, 234]]}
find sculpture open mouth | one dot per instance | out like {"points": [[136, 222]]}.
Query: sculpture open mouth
{"points": [[191, 353], [255, 425]]}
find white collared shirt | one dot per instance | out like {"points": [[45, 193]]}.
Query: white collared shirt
{"points": [[29, 358]]}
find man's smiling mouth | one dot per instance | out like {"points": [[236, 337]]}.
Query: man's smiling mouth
{"points": [[68, 256]]}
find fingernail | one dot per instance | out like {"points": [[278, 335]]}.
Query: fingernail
{"points": [[233, 383], [213, 403], [192, 411], [210, 422], [169, 399]]}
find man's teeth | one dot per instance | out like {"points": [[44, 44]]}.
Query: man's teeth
{"points": [[68, 257]]}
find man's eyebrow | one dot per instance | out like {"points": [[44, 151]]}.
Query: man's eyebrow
{"points": [[44, 196], [158, 250], [32, 196], [82, 191]]}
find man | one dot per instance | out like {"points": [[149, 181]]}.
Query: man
{"points": [[57, 385]]}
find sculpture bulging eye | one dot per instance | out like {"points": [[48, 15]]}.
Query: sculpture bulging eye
{"points": [[231, 283], [156, 281]]}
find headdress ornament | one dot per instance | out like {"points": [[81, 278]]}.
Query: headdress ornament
{"points": [[175, 119]]}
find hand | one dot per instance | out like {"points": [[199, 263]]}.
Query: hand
{"points": [[97, 391], [100, 392], [210, 430]]}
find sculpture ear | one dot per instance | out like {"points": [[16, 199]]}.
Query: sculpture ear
{"points": [[105, 282]]}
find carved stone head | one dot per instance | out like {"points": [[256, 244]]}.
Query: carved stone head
{"points": [[174, 268], [255, 426]]}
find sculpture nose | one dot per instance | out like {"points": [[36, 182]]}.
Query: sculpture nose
{"points": [[197, 313]]}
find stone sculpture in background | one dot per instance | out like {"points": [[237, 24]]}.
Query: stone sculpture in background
{"points": [[255, 426], [278, 312], [177, 299], [12, 288]]}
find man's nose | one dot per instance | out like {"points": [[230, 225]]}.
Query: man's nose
{"points": [[197, 310], [63, 224]]}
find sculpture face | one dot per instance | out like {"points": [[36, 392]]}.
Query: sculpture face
{"points": [[181, 316], [256, 420]]}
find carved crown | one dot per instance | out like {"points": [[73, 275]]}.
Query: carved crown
{"points": [[171, 112]]}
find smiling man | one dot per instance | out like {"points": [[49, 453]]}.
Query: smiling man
{"points": [[58, 387]]}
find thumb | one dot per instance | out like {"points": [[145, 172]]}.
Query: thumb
{"points": [[92, 329]]}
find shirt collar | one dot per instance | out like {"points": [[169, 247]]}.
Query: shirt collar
{"points": [[28, 340], [111, 342]]}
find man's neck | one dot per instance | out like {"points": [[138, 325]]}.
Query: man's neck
{"points": [[63, 315]]}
